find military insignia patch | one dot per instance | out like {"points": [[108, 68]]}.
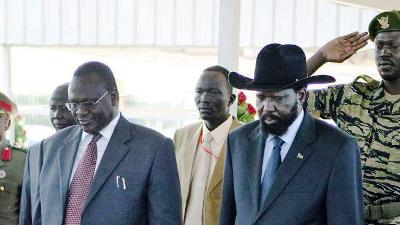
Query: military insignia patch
{"points": [[384, 21], [6, 154]]}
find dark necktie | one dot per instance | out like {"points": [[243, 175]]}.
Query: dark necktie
{"points": [[81, 183], [271, 169]]}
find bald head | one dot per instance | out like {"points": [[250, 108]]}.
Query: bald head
{"points": [[60, 93], [59, 115]]}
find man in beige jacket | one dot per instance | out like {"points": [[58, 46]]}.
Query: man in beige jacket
{"points": [[200, 148]]}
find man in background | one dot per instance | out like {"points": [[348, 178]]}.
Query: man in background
{"points": [[59, 114], [60, 118], [200, 148], [12, 161]]}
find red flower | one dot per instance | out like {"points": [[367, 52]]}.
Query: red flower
{"points": [[241, 97], [251, 110], [6, 154]]}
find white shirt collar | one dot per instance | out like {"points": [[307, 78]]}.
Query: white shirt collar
{"points": [[107, 131], [219, 134], [290, 134]]}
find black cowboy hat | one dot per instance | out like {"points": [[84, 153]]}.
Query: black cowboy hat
{"points": [[278, 67]]}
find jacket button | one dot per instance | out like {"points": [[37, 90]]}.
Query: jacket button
{"points": [[2, 188]]}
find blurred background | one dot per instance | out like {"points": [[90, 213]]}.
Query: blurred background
{"points": [[158, 48]]}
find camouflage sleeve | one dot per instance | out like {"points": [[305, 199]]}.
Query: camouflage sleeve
{"points": [[325, 102]]}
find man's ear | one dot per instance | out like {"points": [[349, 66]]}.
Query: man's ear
{"points": [[302, 95], [114, 97], [231, 99]]}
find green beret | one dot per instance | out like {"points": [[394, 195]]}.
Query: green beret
{"points": [[7, 105], [384, 22]]}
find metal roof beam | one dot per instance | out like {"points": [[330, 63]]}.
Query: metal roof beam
{"points": [[379, 5]]}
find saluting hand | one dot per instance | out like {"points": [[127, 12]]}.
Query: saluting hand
{"points": [[341, 48]]}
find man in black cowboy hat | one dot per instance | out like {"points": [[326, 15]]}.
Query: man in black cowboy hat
{"points": [[287, 167]]}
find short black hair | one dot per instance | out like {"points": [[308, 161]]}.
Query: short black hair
{"points": [[105, 74], [222, 70]]}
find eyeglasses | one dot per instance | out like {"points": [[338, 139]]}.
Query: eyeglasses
{"points": [[73, 106]]}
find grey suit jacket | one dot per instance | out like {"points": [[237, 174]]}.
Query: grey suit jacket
{"points": [[319, 181], [30, 212], [143, 157]]}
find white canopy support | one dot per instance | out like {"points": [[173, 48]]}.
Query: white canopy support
{"points": [[5, 80], [228, 41], [5, 76]]}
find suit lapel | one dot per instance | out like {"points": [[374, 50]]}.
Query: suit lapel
{"points": [[187, 162], [66, 158], [114, 153], [254, 154], [189, 155], [291, 164], [219, 167], [218, 172]]}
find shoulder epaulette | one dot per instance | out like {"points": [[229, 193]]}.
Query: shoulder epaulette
{"points": [[19, 149], [365, 83]]}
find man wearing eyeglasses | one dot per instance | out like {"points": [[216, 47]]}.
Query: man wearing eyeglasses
{"points": [[106, 170], [59, 114]]}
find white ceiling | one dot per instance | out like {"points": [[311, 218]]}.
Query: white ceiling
{"points": [[375, 4]]}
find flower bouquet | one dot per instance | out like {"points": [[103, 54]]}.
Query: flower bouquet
{"points": [[245, 111]]}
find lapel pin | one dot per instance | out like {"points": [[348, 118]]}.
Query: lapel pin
{"points": [[2, 173], [300, 156], [123, 183], [117, 181]]}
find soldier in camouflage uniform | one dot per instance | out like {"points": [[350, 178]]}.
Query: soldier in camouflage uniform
{"points": [[370, 111], [12, 161]]}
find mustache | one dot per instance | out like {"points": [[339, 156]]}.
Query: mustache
{"points": [[386, 60], [272, 116], [204, 106]]}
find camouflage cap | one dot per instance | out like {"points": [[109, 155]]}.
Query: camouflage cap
{"points": [[7, 105], [384, 22]]}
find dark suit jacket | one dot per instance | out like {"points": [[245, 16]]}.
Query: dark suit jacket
{"points": [[319, 181], [143, 157]]}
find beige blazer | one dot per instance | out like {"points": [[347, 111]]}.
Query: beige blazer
{"points": [[186, 140]]}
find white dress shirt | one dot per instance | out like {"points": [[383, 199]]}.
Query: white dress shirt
{"points": [[219, 135], [287, 137], [102, 143]]}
